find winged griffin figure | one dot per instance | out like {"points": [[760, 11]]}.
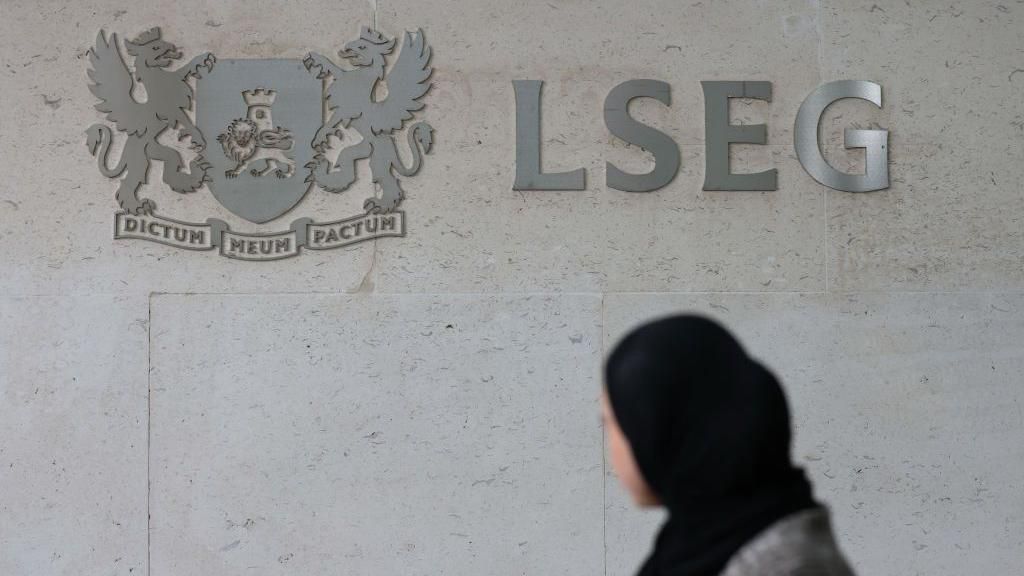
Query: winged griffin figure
{"points": [[350, 100], [169, 97]]}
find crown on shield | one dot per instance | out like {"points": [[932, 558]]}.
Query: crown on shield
{"points": [[259, 97]]}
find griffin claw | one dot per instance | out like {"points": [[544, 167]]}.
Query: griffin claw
{"points": [[373, 206], [145, 207], [207, 64], [309, 62]]}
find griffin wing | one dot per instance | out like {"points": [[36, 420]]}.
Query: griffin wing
{"points": [[112, 83], [407, 83]]}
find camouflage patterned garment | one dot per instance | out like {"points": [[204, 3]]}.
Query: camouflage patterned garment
{"points": [[801, 544]]}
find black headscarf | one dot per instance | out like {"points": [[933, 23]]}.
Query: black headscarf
{"points": [[709, 429]]}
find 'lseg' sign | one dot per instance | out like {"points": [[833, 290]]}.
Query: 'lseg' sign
{"points": [[720, 133]]}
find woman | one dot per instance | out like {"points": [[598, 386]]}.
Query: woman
{"points": [[697, 426]]}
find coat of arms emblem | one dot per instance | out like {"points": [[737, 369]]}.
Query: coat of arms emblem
{"points": [[271, 122]]}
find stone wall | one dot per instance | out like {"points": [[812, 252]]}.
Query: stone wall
{"points": [[428, 404]]}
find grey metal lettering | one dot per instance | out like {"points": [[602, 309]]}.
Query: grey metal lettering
{"points": [[528, 164], [188, 235], [326, 235], [875, 142], [659, 144], [720, 134]]}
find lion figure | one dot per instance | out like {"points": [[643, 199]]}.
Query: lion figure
{"points": [[250, 140]]}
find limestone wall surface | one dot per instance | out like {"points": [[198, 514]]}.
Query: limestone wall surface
{"points": [[428, 405]]}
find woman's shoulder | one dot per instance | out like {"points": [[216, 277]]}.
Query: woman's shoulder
{"points": [[801, 544]]}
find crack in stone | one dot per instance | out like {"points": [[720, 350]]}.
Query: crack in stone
{"points": [[366, 284]]}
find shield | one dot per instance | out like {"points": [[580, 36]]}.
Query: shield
{"points": [[259, 117]]}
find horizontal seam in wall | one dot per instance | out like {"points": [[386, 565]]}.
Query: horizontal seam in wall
{"points": [[511, 293], [609, 292], [831, 292]]}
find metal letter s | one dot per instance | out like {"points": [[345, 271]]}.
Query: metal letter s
{"points": [[621, 124]]}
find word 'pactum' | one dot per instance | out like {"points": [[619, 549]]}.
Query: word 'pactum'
{"points": [[719, 135]]}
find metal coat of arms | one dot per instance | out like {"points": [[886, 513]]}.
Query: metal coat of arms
{"points": [[271, 121]]}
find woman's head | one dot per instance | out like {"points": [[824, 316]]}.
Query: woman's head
{"points": [[698, 426], [698, 417]]}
